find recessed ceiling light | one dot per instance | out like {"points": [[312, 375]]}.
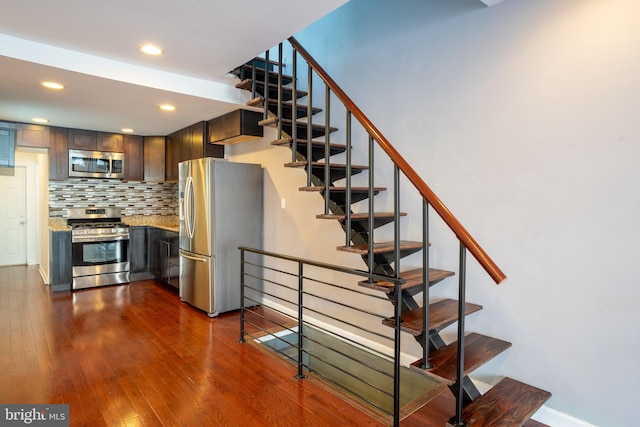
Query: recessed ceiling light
{"points": [[167, 107], [150, 49], [52, 85], [40, 120], [127, 130]]}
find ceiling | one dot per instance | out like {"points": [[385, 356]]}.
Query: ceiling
{"points": [[92, 48]]}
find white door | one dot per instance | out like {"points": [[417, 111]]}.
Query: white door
{"points": [[13, 246]]}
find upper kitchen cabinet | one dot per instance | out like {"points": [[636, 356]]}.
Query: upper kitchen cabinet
{"points": [[58, 153], [187, 144], [236, 126], [110, 142], [33, 136], [154, 158], [80, 139], [133, 158]]}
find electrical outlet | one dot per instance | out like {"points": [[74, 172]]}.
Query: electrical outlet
{"points": [[283, 203]]}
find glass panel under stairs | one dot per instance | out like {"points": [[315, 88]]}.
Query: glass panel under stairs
{"points": [[365, 376]]}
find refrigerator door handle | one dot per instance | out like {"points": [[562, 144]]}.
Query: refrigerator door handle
{"points": [[188, 207], [193, 257]]}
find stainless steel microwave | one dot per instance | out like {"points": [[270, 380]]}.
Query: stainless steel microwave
{"points": [[96, 164]]}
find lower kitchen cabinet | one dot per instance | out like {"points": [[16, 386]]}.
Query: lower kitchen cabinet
{"points": [[139, 253], [60, 262], [165, 256]]}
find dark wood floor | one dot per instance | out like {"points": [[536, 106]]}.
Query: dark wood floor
{"points": [[134, 355]]}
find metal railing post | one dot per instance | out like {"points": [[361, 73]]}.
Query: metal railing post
{"points": [[347, 207], [242, 339], [309, 122], [426, 364], [371, 206], [396, 356], [294, 105], [457, 420], [280, 91], [301, 374], [266, 85], [327, 145]]}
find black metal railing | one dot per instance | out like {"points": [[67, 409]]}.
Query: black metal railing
{"points": [[289, 306], [401, 168]]}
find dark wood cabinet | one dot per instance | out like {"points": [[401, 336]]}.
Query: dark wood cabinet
{"points": [[154, 158], [34, 136], [133, 158], [139, 256], [110, 142], [172, 157], [236, 126], [165, 256], [60, 262], [80, 139], [58, 154], [187, 144]]}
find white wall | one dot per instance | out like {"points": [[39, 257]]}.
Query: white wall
{"points": [[523, 119]]}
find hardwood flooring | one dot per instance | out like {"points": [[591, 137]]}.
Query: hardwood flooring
{"points": [[134, 355]]}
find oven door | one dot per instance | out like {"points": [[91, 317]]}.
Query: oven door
{"points": [[97, 263]]}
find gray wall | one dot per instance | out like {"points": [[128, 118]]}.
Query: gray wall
{"points": [[523, 118]]}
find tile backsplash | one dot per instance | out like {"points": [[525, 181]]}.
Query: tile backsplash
{"points": [[134, 197]]}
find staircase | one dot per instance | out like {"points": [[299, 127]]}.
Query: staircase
{"points": [[508, 403]]}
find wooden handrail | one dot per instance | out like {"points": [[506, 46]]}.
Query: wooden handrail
{"points": [[463, 235]]}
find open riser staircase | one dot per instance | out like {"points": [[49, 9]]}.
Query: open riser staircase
{"points": [[291, 110]]}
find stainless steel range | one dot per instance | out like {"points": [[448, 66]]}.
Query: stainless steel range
{"points": [[100, 246]]}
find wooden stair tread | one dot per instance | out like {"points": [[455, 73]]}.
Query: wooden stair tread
{"points": [[246, 84], [534, 423], [271, 121], [268, 121], [382, 247], [288, 141], [412, 279], [478, 349], [289, 104], [441, 314], [255, 102], [301, 164], [340, 189], [510, 402]]}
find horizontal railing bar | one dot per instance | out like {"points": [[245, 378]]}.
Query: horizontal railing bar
{"points": [[274, 296], [273, 349], [359, 362], [273, 322], [270, 281], [288, 273], [356, 291], [388, 357], [347, 323], [248, 310], [335, 383], [347, 270], [452, 222], [350, 307], [344, 371]]}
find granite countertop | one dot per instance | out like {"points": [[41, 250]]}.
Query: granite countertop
{"points": [[165, 222]]}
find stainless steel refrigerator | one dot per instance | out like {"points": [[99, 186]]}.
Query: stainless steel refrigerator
{"points": [[220, 208]]}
